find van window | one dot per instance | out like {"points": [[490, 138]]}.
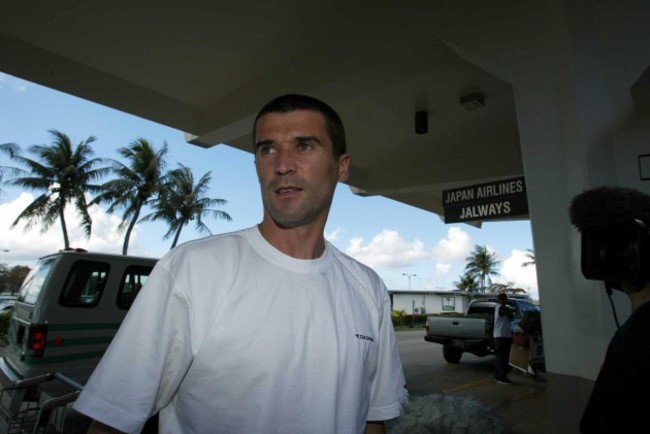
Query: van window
{"points": [[134, 277], [34, 281], [85, 283]]}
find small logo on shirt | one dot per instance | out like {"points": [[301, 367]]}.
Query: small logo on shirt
{"points": [[364, 337]]}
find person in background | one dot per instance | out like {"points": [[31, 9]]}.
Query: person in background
{"points": [[270, 329], [502, 339], [618, 401]]}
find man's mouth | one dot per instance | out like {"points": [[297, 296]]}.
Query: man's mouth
{"points": [[287, 190]]}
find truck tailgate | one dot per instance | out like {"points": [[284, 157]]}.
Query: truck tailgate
{"points": [[457, 327]]}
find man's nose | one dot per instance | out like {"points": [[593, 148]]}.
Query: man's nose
{"points": [[285, 163]]}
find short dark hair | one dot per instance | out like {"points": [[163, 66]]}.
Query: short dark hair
{"points": [[292, 102]]}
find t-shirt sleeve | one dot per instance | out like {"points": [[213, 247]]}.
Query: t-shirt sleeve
{"points": [[388, 392], [146, 360]]}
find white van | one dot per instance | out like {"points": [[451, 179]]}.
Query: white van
{"points": [[66, 313]]}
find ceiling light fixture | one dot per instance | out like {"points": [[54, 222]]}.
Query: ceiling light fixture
{"points": [[473, 101], [421, 122]]}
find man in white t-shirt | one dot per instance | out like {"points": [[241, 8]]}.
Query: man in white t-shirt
{"points": [[265, 330], [502, 339]]}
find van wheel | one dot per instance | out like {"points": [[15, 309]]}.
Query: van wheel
{"points": [[451, 355]]}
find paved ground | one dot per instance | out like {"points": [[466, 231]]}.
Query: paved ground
{"points": [[522, 405]]}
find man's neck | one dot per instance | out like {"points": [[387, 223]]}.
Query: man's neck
{"points": [[640, 297], [305, 242]]}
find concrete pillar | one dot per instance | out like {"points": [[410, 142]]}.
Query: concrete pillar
{"points": [[571, 65]]}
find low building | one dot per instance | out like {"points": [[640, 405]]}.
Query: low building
{"points": [[434, 302], [429, 302]]}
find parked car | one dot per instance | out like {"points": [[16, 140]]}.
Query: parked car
{"points": [[6, 305]]}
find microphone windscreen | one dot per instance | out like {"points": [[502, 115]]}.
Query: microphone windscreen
{"points": [[607, 205]]}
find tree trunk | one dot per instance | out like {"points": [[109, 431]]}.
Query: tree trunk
{"points": [[178, 234], [127, 236], [64, 229]]}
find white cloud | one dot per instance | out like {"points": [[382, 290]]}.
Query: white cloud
{"points": [[27, 246], [443, 268], [386, 249], [522, 277], [455, 247], [334, 235]]}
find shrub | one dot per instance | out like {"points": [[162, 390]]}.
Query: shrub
{"points": [[398, 317], [402, 319], [416, 320]]}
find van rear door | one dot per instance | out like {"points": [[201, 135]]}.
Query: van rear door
{"points": [[20, 328]]}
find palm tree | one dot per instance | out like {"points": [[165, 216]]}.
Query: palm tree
{"points": [[507, 288], [182, 201], [10, 150], [482, 264], [136, 184], [467, 283], [64, 175], [530, 255]]}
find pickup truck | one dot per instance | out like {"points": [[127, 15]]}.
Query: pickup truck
{"points": [[472, 333]]}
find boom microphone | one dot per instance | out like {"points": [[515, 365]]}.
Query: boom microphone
{"points": [[613, 222], [608, 205]]}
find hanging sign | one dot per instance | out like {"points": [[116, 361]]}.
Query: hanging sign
{"points": [[490, 201]]}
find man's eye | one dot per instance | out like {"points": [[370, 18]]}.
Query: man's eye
{"points": [[265, 149], [304, 146]]}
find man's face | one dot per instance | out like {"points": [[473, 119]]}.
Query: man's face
{"points": [[296, 167]]}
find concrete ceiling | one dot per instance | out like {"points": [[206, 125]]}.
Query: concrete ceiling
{"points": [[205, 67]]}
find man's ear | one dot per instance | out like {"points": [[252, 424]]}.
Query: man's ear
{"points": [[344, 167]]}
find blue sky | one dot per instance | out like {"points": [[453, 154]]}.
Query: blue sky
{"points": [[393, 238]]}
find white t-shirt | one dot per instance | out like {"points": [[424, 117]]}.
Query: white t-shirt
{"points": [[501, 324], [229, 335]]}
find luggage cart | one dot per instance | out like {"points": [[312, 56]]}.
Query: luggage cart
{"points": [[26, 408], [527, 353]]}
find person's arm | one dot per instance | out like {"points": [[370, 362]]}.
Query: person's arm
{"points": [[100, 428], [506, 311], [375, 427], [132, 382]]}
